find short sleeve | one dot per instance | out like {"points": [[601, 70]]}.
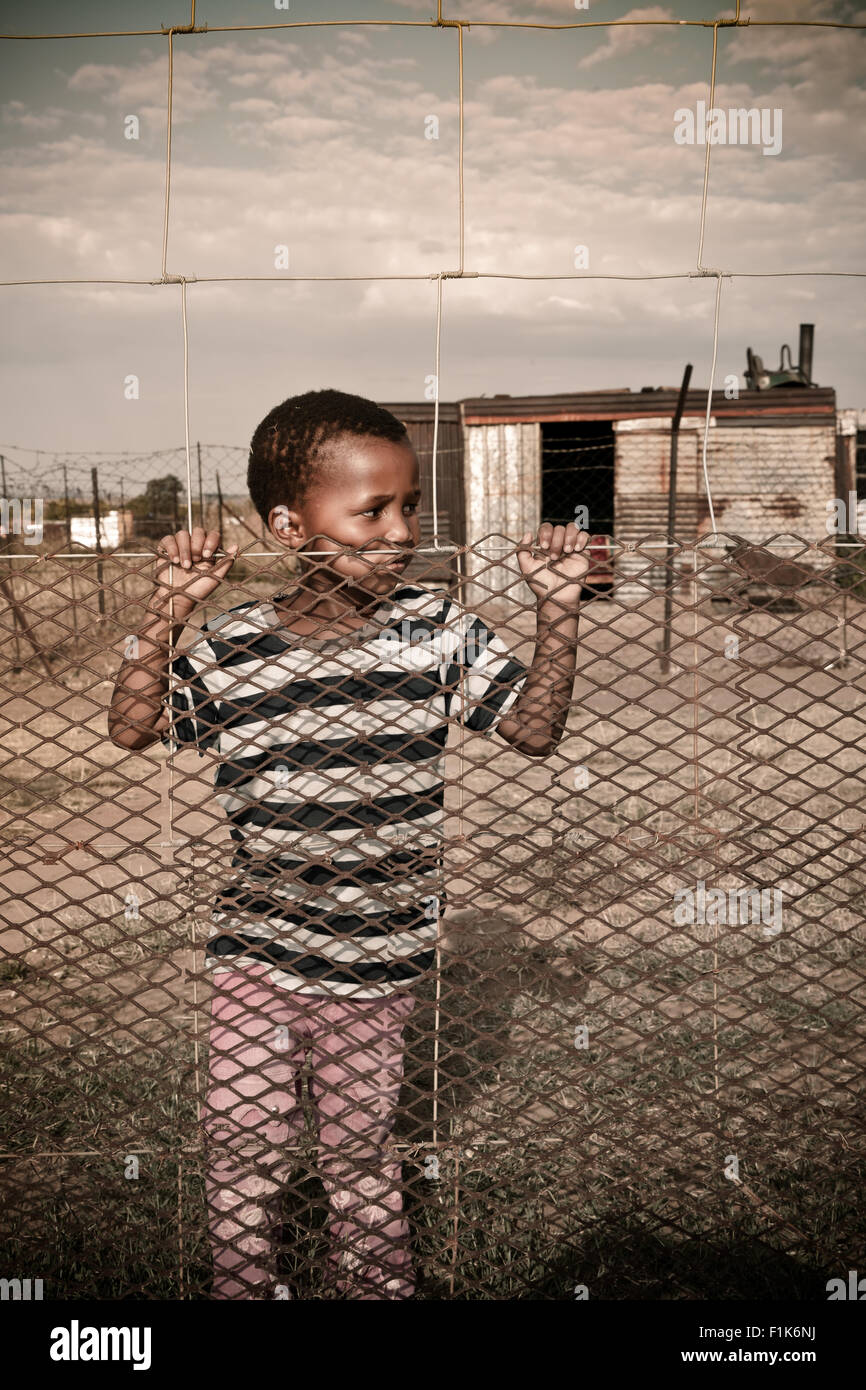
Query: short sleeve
{"points": [[481, 677], [194, 714]]}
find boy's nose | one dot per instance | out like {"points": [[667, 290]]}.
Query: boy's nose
{"points": [[400, 533]]}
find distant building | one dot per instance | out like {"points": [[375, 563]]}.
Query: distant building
{"points": [[114, 529], [775, 459]]}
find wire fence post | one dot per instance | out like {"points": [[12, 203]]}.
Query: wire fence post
{"points": [[67, 513], [94, 481], [124, 578], [66, 510]]}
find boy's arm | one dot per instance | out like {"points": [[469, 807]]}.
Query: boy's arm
{"points": [[536, 721], [137, 716]]}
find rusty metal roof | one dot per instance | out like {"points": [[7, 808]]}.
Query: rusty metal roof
{"points": [[422, 410], [786, 405]]}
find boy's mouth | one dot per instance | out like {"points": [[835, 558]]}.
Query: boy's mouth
{"points": [[398, 561]]}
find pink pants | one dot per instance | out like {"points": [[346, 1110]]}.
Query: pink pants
{"points": [[253, 1109]]}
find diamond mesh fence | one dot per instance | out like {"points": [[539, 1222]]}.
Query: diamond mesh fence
{"points": [[331, 991]]}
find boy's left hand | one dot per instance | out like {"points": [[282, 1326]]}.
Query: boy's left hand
{"points": [[558, 573]]}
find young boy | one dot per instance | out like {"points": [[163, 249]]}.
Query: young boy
{"points": [[328, 709]]}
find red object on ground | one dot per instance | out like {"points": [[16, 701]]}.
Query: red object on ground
{"points": [[600, 561]]}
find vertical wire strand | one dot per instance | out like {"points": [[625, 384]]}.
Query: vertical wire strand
{"points": [[709, 492], [460, 197], [702, 270], [171, 718], [186, 406], [168, 151], [436, 410], [708, 417], [460, 228], [171, 652], [438, 957], [170, 760], [708, 148]]}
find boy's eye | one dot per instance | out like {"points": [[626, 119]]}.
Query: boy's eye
{"points": [[376, 511]]}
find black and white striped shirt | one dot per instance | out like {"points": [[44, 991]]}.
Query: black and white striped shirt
{"points": [[330, 768]]}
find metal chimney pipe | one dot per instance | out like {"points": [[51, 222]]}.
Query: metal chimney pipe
{"points": [[807, 339]]}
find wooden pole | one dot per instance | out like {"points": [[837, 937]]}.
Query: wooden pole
{"points": [[123, 576], [73, 600], [94, 480], [21, 621], [67, 512], [220, 508]]}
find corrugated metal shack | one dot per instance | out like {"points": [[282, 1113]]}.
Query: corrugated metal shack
{"points": [[775, 459]]}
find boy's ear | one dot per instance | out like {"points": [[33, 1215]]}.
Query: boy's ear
{"points": [[285, 526]]}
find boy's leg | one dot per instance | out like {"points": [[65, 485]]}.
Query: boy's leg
{"points": [[357, 1071], [252, 1110]]}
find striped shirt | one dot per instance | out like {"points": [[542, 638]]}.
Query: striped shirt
{"points": [[330, 769]]}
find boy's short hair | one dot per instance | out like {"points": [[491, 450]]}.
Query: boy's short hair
{"points": [[288, 454]]}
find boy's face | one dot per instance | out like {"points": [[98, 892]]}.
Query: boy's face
{"points": [[369, 503]]}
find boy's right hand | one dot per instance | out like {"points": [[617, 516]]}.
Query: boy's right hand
{"points": [[189, 570]]}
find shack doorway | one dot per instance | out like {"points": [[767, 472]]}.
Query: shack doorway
{"points": [[577, 470]]}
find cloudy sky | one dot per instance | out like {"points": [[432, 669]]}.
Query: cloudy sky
{"points": [[316, 139]]}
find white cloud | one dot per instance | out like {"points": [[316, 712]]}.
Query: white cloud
{"points": [[328, 155], [621, 40], [16, 113]]}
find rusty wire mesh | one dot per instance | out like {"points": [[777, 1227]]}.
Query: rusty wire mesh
{"points": [[599, 1089]]}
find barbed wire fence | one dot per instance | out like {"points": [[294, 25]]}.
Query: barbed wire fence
{"points": [[624, 1080]]}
